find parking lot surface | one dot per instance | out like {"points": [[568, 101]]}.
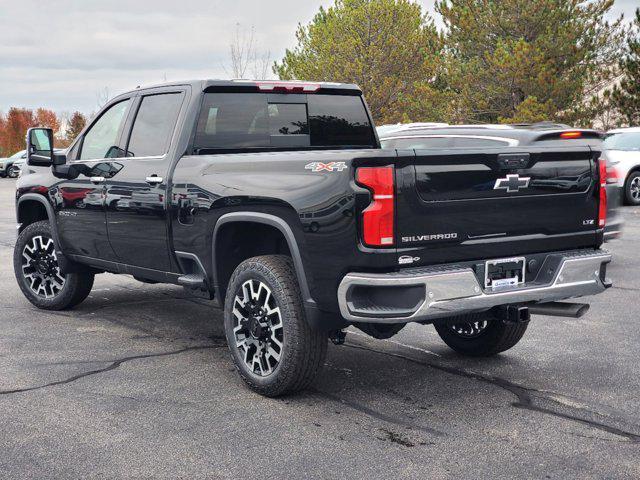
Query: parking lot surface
{"points": [[137, 382]]}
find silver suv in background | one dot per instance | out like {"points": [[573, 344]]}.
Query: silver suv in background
{"points": [[622, 147]]}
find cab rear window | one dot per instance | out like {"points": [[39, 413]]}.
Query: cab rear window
{"points": [[249, 121]]}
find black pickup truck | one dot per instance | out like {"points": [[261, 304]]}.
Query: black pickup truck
{"points": [[276, 200]]}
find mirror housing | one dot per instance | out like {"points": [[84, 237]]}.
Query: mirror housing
{"points": [[40, 147]]}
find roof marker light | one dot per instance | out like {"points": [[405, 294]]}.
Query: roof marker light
{"points": [[288, 87], [567, 135]]}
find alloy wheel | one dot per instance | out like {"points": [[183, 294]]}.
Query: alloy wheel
{"points": [[40, 267], [258, 329], [634, 188]]}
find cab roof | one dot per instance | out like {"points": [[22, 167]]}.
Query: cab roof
{"points": [[280, 86]]}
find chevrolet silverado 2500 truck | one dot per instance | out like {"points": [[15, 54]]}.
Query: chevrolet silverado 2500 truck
{"points": [[276, 200]]}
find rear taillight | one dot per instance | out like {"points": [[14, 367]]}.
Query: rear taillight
{"points": [[378, 217], [602, 179]]}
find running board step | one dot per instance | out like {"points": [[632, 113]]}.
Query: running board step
{"points": [[193, 280], [196, 285]]}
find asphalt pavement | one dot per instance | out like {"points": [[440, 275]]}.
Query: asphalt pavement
{"points": [[137, 382]]}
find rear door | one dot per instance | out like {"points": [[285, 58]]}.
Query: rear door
{"points": [[136, 197], [489, 203]]}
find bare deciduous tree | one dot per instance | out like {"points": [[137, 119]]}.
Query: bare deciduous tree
{"points": [[244, 55], [102, 97]]}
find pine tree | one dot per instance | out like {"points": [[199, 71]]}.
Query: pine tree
{"points": [[387, 47], [626, 96], [526, 60]]}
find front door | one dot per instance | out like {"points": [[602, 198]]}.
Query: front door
{"points": [[80, 202], [135, 198]]}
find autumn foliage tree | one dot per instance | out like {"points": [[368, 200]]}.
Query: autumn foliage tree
{"points": [[3, 122], [14, 126], [74, 126]]}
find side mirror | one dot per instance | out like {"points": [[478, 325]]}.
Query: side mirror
{"points": [[40, 147]]}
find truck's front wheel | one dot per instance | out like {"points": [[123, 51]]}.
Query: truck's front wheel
{"points": [[273, 347], [36, 267], [479, 335]]}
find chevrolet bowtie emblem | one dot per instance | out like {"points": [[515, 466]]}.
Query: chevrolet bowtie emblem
{"points": [[512, 183]]}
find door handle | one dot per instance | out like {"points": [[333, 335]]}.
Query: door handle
{"points": [[154, 180], [97, 180]]}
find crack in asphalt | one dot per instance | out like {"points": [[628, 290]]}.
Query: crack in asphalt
{"points": [[628, 289], [112, 366], [525, 399], [379, 415]]}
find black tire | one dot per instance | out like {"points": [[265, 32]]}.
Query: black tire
{"points": [[482, 339], [632, 189], [75, 287], [303, 348]]}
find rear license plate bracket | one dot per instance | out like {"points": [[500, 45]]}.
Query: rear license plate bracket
{"points": [[504, 272]]}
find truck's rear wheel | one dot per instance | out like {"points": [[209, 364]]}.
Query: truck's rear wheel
{"points": [[273, 347], [479, 335], [36, 268]]}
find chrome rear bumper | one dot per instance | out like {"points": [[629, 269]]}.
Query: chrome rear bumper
{"points": [[438, 292]]}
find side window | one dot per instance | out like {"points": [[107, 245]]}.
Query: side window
{"points": [[154, 125], [339, 121], [238, 121], [101, 141]]}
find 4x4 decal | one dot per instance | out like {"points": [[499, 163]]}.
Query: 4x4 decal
{"points": [[325, 167]]}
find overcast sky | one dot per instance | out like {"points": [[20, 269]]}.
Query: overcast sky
{"points": [[64, 54]]}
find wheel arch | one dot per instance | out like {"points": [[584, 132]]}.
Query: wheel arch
{"points": [[220, 270], [33, 208]]}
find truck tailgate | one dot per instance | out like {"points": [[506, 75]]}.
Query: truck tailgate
{"points": [[463, 204]]}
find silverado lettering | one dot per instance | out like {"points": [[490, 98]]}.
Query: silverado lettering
{"points": [[425, 238]]}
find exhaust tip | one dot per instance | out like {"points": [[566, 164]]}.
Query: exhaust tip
{"points": [[560, 309], [582, 309]]}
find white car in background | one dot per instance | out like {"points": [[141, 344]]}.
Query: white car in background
{"points": [[622, 147], [10, 167], [20, 162]]}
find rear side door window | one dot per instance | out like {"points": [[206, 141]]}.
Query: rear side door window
{"points": [[154, 125]]}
